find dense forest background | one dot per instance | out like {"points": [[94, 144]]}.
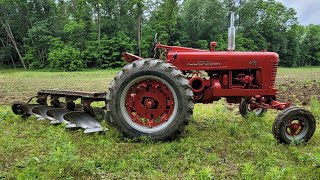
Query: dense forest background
{"points": [[75, 34]]}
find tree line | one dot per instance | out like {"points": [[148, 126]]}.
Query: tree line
{"points": [[76, 34]]}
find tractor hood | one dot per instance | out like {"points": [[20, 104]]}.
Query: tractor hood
{"points": [[209, 60]]}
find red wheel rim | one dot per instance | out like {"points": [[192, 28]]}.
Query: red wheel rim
{"points": [[254, 108], [149, 103], [295, 127]]}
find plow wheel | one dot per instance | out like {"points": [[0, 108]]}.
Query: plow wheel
{"points": [[150, 98], [294, 124], [245, 108], [17, 108]]}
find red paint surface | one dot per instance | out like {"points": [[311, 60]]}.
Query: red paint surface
{"points": [[228, 74]]}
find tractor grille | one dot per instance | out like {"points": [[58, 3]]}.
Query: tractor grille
{"points": [[274, 73]]}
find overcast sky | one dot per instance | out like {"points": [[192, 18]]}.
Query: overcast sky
{"points": [[307, 10]]}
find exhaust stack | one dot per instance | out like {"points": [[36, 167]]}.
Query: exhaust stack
{"points": [[231, 34]]}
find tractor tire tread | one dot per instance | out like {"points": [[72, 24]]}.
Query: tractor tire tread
{"points": [[183, 87], [286, 115]]}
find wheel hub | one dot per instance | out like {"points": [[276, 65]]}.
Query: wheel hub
{"points": [[294, 127], [252, 106], [149, 103]]}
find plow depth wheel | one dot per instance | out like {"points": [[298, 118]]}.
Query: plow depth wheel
{"points": [[294, 124], [150, 98], [17, 108]]}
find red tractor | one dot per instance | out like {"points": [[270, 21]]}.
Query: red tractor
{"points": [[155, 97]]}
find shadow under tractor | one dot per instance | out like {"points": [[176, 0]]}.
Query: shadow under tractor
{"points": [[155, 97]]}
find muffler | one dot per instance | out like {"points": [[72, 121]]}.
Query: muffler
{"points": [[231, 34]]}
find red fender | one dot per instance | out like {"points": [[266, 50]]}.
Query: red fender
{"points": [[130, 57]]}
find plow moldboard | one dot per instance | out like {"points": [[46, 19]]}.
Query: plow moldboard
{"points": [[57, 114], [83, 120], [41, 111]]}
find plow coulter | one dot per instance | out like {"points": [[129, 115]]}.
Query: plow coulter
{"points": [[155, 97]]}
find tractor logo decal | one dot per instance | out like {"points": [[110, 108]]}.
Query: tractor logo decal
{"points": [[204, 63]]}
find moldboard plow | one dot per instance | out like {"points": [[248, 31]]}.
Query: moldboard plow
{"points": [[50, 107]]}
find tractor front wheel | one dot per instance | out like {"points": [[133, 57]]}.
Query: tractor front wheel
{"points": [[245, 108], [294, 125], [150, 98]]}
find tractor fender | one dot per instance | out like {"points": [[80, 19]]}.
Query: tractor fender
{"points": [[130, 57]]}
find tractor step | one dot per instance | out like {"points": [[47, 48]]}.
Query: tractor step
{"points": [[75, 116]]}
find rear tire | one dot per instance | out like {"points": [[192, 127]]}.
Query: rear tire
{"points": [[244, 109], [150, 98], [294, 125]]}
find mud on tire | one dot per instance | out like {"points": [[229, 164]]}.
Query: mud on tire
{"points": [[150, 98], [294, 125]]}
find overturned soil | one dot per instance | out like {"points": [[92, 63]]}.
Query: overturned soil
{"points": [[298, 94]]}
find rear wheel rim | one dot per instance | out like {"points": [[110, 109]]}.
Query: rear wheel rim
{"points": [[148, 104], [297, 128]]}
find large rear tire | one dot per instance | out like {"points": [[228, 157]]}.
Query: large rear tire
{"points": [[294, 125], [150, 98]]}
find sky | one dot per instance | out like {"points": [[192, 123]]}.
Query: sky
{"points": [[307, 10]]}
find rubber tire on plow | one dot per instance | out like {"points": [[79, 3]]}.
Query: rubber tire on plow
{"points": [[245, 110], [16, 109], [173, 103], [284, 120]]}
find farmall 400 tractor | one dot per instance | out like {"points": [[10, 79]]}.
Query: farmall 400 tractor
{"points": [[155, 97]]}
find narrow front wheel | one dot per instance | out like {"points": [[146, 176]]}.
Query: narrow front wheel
{"points": [[245, 108], [294, 125]]}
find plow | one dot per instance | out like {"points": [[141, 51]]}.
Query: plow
{"points": [[155, 97], [49, 106]]}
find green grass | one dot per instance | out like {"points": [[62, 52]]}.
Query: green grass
{"points": [[21, 85], [304, 74], [217, 144]]}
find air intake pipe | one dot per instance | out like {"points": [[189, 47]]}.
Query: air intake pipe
{"points": [[231, 34]]}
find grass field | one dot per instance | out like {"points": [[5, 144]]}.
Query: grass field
{"points": [[218, 143]]}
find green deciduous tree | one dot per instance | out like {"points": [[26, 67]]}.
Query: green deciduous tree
{"points": [[311, 46], [93, 34], [64, 57]]}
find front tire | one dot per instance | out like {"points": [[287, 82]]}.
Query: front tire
{"points": [[245, 109], [294, 125], [150, 98]]}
